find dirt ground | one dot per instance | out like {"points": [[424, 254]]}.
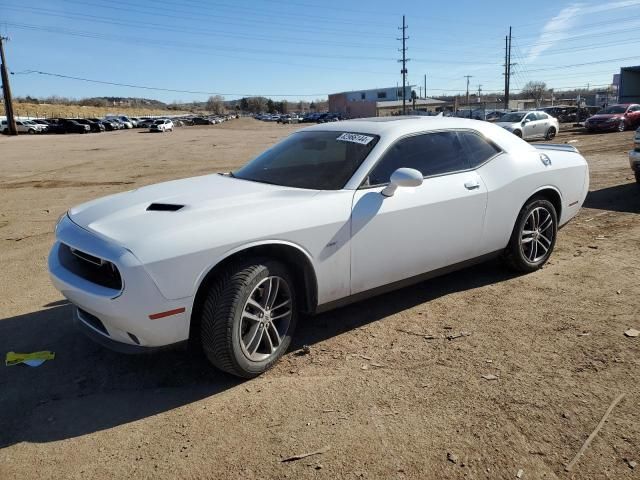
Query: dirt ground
{"points": [[387, 402]]}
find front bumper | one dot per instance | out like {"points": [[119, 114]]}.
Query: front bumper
{"points": [[100, 338], [124, 314], [602, 127]]}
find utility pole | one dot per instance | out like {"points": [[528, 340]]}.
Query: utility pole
{"points": [[479, 92], [468, 106], [507, 68], [6, 90], [425, 85], [404, 61]]}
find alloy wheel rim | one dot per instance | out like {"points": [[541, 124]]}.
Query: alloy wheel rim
{"points": [[265, 320], [537, 234]]}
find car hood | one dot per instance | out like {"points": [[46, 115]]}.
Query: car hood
{"points": [[125, 218], [606, 116], [508, 124]]}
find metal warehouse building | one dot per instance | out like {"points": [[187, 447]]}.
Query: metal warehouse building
{"points": [[378, 102], [629, 86]]}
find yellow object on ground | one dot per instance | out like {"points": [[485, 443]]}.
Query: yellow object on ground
{"points": [[34, 359]]}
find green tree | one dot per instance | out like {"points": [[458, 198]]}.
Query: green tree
{"points": [[271, 106]]}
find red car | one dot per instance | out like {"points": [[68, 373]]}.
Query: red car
{"points": [[615, 117]]}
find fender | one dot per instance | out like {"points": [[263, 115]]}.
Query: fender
{"points": [[203, 274]]}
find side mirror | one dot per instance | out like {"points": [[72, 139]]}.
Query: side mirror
{"points": [[525, 121], [403, 177]]}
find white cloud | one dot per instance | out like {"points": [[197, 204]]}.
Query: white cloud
{"points": [[559, 27], [554, 30]]}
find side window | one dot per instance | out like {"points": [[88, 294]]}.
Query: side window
{"points": [[477, 148], [431, 154], [531, 117], [542, 116]]}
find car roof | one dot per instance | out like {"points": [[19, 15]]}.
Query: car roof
{"points": [[390, 128]]}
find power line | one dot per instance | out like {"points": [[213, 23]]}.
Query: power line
{"points": [[160, 89]]}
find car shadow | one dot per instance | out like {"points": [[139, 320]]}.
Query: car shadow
{"points": [[333, 323], [87, 388], [620, 198]]}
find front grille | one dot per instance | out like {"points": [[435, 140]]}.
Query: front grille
{"points": [[92, 320], [91, 268]]}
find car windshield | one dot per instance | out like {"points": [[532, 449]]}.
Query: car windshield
{"points": [[614, 109], [314, 160], [512, 117]]}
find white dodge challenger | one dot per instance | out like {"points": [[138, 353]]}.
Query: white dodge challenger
{"points": [[331, 214]]}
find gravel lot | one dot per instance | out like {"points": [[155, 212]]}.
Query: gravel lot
{"points": [[386, 401]]}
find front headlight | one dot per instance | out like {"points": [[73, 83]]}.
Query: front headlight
{"points": [[612, 119], [55, 230]]}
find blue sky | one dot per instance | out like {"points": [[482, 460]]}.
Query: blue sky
{"points": [[305, 49]]}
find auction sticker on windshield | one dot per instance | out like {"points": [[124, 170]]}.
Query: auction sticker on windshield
{"points": [[355, 138]]}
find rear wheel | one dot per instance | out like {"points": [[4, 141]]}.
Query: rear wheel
{"points": [[533, 236], [248, 317], [551, 133]]}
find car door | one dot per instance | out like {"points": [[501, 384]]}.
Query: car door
{"points": [[419, 229], [633, 115], [529, 125], [543, 123]]}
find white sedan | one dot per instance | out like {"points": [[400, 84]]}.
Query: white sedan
{"points": [[331, 214], [530, 125]]}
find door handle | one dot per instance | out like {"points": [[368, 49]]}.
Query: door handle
{"points": [[471, 184]]}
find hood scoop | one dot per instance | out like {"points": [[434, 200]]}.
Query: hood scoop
{"points": [[164, 207]]}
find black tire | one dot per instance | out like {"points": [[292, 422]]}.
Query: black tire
{"points": [[519, 255], [518, 133], [551, 133], [223, 312], [622, 126], [31, 131], [638, 178]]}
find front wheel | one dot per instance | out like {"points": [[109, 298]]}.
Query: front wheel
{"points": [[518, 133], [248, 317], [533, 236], [622, 126]]}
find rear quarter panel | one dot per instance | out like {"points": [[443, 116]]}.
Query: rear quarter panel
{"points": [[511, 179]]}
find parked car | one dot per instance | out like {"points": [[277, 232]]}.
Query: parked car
{"points": [[124, 120], [330, 215], [108, 126], [146, 123], [529, 125], [64, 125], [614, 118], [162, 125], [96, 127], [201, 121], [494, 115], [21, 127], [634, 156], [44, 124], [39, 128]]}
